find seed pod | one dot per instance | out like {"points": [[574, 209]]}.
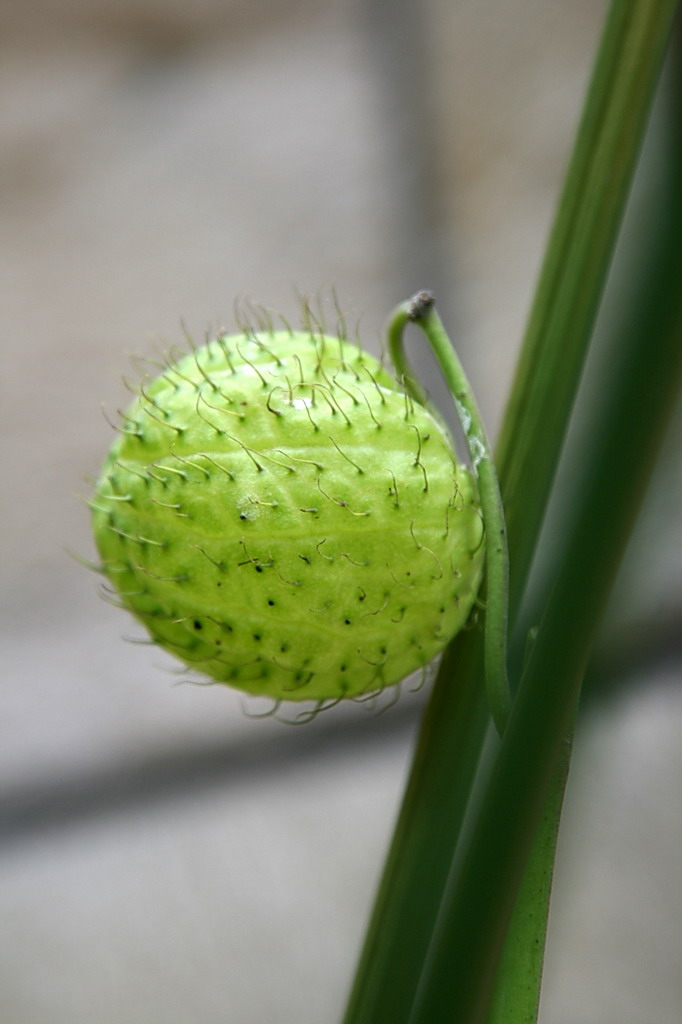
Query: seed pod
{"points": [[283, 518]]}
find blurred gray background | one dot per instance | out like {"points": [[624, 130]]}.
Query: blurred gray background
{"points": [[164, 857]]}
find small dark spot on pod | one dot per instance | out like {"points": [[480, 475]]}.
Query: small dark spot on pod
{"points": [[197, 624]]}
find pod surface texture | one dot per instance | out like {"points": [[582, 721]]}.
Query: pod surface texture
{"points": [[283, 518]]}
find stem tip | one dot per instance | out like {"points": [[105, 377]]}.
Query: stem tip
{"points": [[420, 304]]}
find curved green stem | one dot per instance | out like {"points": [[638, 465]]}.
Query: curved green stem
{"points": [[420, 309], [409, 926]]}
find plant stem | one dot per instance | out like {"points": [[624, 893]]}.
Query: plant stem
{"points": [[420, 309], [460, 975], [433, 809], [516, 995], [451, 738], [627, 428], [574, 270]]}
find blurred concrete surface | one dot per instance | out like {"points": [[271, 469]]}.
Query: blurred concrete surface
{"points": [[245, 903], [156, 162], [616, 922]]}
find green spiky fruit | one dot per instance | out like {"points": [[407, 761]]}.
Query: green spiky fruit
{"points": [[283, 518]]}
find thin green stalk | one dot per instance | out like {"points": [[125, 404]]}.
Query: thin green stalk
{"points": [[420, 310], [460, 975], [433, 808], [516, 994], [454, 725], [575, 267], [518, 980]]}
